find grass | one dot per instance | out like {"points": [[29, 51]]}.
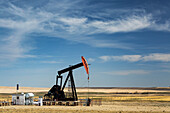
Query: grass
{"points": [[136, 98], [66, 111], [5, 97], [52, 111], [106, 97]]}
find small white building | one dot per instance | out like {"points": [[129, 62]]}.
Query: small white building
{"points": [[25, 99], [18, 99]]}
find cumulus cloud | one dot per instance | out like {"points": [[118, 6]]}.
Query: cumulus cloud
{"points": [[135, 58], [128, 72]]}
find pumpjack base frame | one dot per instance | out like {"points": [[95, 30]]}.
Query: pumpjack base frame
{"points": [[56, 93]]}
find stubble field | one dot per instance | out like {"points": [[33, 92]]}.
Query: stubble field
{"points": [[114, 100]]}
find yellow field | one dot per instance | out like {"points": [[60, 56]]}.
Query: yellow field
{"points": [[136, 98], [107, 94], [114, 100], [116, 107], [5, 89]]}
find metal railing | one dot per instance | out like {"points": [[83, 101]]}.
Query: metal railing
{"points": [[5, 103]]}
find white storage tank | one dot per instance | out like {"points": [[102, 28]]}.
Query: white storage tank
{"points": [[29, 99]]}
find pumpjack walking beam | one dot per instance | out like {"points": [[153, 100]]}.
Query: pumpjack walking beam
{"points": [[70, 68]]}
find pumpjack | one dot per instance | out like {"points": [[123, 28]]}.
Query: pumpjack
{"points": [[56, 93]]}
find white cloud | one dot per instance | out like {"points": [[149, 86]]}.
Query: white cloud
{"points": [[134, 58], [24, 21], [13, 46], [128, 24], [130, 58], [91, 60], [105, 58], [28, 20], [135, 72], [157, 57], [161, 27], [17, 56], [24, 26], [104, 43], [128, 72], [73, 21]]}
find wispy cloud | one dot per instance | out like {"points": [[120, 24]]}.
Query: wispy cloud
{"points": [[157, 57], [161, 27], [128, 24], [25, 21], [91, 60], [13, 46], [135, 58], [136, 72], [128, 72], [73, 21], [131, 58]]}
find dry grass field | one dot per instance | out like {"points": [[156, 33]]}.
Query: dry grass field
{"points": [[115, 108], [5, 89], [114, 100]]}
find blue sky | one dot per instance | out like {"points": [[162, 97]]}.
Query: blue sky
{"points": [[125, 41]]}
